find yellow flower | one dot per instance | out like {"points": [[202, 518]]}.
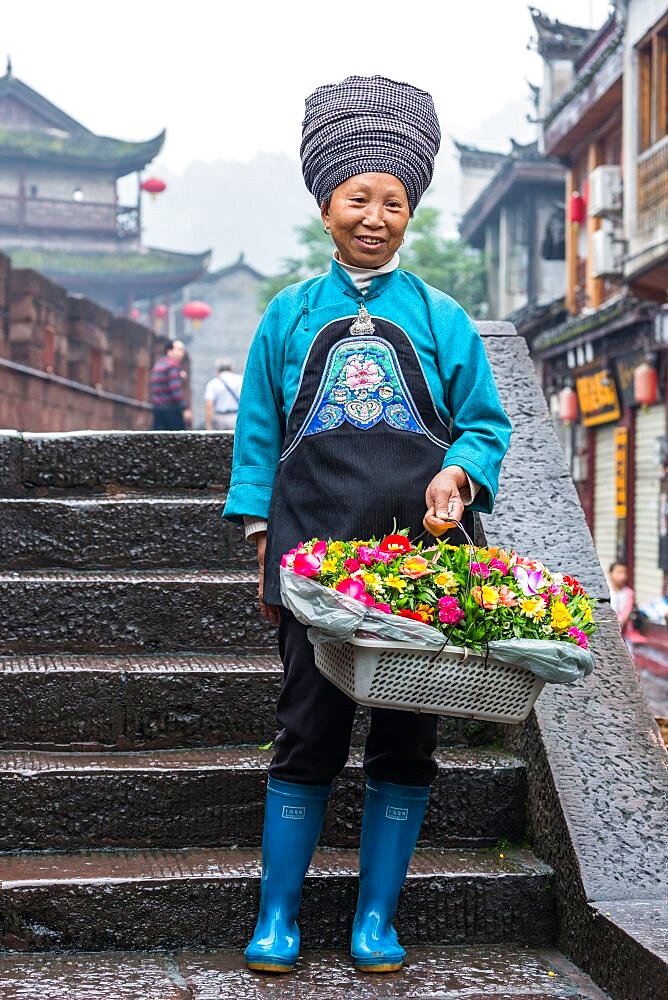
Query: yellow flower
{"points": [[373, 580], [587, 615], [561, 617], [533, 607], [447, 580], [336, 548], [395, 582], [328, 565]]}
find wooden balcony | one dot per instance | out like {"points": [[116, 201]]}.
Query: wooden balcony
{"points": [[653, 188], [53, 215]]}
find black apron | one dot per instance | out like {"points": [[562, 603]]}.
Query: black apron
{"points": [[363, 441]]}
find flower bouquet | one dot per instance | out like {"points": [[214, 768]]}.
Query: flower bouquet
{"points": [[455, 630]]}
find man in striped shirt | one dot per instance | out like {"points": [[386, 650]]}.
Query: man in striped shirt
{"points": [[166, 390]]}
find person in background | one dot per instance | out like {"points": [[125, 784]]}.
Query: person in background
{"points": [[166, 390], [221, 397], [621, 595]]}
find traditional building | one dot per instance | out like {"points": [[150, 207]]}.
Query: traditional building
{"points": [[605, 120], [517, 220], [67, 363], [233, 295], [59, 208]]}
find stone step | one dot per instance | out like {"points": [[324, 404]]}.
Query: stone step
{"points": [[152, 701], [120, 531], [130, 610], [96, 461], [215, 797], [482, 972], [111, 900]]}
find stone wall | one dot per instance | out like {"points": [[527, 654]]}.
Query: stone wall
{"points": [[67, 363]]}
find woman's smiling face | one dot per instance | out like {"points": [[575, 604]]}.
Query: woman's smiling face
{"points": [[367, 216]]}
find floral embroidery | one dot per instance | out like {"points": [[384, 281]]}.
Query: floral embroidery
{"points": [[362, 384]]}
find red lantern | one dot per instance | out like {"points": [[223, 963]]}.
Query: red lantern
{"points": [[645, 384], [135, 314], [160, 312], [196, 312], [153, 186], [577, 210], [568, 405]]}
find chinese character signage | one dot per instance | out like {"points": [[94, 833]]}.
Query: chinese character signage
{"points": [[597, 396], [621, 466]]}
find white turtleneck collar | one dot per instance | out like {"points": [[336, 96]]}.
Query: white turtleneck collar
{"points": [[362, 277]]}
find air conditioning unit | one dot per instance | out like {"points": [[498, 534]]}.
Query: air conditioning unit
{"points": [[607, 254], [605, 191]]}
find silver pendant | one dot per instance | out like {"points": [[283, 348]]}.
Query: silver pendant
{"points": [[362, 325]]}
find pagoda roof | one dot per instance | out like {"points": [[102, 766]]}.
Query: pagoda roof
{"points": [[50, 135], [474, 156], [523, 165], [557, 40], [147, 270]]}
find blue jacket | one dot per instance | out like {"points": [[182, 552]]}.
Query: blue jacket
{"points": [[446, 341]]}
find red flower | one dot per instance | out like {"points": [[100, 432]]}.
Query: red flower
{"points": [[414, 615], [395, 544], [574, 584]]}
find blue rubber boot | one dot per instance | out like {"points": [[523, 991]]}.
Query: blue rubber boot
{"points": [[391, 824], [293, 819]]}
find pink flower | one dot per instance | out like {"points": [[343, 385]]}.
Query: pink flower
{"points": [[579, 636], [507, 597], [287, 559], [366, 554], [320, 548], [499, 565], [351, 565], [415, 567], [449, 611], [479, 569], [383, 607], [362, 373], [306, 564], [354, 588]]}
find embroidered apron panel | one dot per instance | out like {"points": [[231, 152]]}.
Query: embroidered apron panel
{"points": [[363, 441]]}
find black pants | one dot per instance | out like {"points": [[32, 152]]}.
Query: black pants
{"points": [[316, 721], [168, 418]]}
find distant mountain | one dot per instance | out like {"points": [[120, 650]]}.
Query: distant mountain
{"points": [[232, 207]]}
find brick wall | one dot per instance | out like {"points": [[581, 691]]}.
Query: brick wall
{"points": [[67, 363]]}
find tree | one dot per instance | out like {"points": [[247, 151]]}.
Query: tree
{"points": [[447, 264]]}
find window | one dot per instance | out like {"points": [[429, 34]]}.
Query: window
{"points": [[653, 86]]}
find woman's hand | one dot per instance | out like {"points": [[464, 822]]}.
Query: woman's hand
{"points": [[444, 504], [271, 612]]}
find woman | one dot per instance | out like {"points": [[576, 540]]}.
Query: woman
{"points": [[367, 397]]}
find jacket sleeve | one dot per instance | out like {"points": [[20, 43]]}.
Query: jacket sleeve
{"points": [[260, 424], [480, 428]]}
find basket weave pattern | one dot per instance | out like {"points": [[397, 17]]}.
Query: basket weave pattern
{"points": [[393, 675]]}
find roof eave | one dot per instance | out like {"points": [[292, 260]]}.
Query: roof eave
{"points": [[514, 172]]}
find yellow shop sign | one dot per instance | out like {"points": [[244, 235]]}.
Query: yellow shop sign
{"points": [[597, 396]]}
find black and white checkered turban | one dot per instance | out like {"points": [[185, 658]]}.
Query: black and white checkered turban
{"points": [[369, 124]]}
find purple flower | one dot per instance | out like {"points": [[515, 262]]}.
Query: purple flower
{"points": [[579, 637], [479, 569], [530, 582]]}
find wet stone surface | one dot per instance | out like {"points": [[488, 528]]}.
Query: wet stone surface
{"points": [[216, 797], [51, 611], [144, 900], [160, 700], [537, 510], [94, 461], [107, 533], [437, 973]]}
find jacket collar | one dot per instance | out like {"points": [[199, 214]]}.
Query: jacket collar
{"points": [[347, 286]]}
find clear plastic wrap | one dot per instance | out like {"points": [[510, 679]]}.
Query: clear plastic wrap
{"points": [[335, 617]]}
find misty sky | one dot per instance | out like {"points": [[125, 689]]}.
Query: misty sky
{"points": [[228, 79]]}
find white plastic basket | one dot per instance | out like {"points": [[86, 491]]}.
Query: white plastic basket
{"points": [[409, 678]]}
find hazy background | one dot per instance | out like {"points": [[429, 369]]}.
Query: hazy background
{"points": [[228, 81]]}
